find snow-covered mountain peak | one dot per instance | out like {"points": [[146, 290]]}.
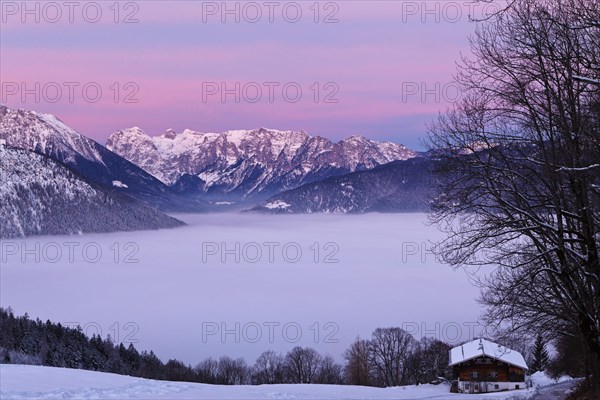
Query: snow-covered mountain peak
{"points": [[44, 133], [475, 147], [190, 132], [4, 110], [48, 135], [276, 137], [170, 134], [133, 131], [247, 162], [55, 122], [355, 138]]}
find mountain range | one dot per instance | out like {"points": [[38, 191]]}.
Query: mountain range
{"points": [[399, 186], [54, 169], [48, 135], [248, 164]]}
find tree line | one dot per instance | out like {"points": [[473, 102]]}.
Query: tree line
{"points": [[391, 357]]}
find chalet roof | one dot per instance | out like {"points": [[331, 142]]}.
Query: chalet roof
{"points": [[482, 347]]}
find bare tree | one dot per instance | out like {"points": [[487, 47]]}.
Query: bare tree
{"points": [[268, 369], [389, 352], [232, 371], [520, 182], [428, 361], [302, 365], [330, 372], [433, 355], [207, 370]]}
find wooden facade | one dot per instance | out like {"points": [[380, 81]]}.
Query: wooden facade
{"points": [[484, 374]]}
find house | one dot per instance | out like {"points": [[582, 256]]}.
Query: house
{"points": [[481, 366]]}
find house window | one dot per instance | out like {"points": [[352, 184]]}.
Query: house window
{"points": [[474, 374], [493, 375], [516, 386], [496, 387], [467, 386]]}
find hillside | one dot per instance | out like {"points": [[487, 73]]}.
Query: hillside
{"points": [[41, 196]]}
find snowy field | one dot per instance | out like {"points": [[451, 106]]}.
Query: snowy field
{"points": [[32, 382], [239, 284]]}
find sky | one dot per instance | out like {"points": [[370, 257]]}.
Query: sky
{"points": [[381, 69]]}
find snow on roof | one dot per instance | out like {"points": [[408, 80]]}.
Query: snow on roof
{"points": [[482, 347]]}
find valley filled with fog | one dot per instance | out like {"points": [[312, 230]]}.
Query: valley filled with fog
{"points": [[238, 284]]}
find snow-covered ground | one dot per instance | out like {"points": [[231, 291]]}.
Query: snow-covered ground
{"points": [[204, 289], [33, 382]]}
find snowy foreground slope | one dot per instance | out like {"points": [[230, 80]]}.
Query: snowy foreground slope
{"points": [[34, 382]]}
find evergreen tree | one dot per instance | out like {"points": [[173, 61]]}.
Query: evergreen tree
{"points": [[6, 358], [540, 357]]}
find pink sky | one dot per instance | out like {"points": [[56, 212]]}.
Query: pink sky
{"points": [[366, 61]]}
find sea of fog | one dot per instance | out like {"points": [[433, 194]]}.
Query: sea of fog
{"points": [[239, 284]]}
